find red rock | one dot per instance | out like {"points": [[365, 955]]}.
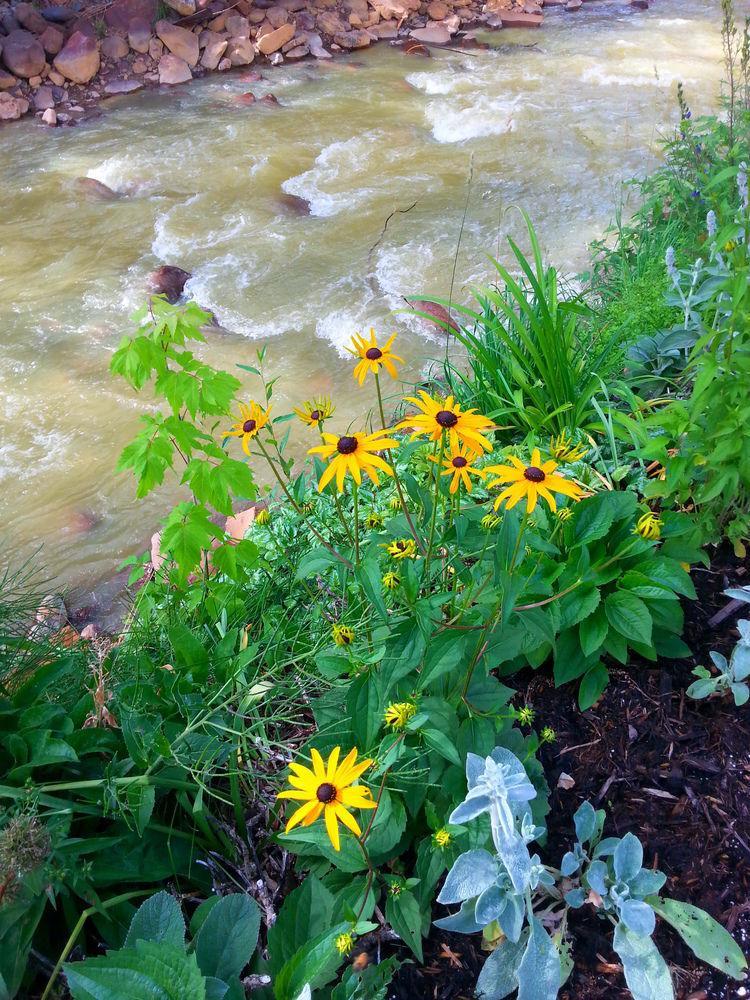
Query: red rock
{"points": [[330, 23], [517, 19], [173, 70], [352, 39], [298, 52], [123, 86], [180, 42], [11, 107], [121, 13], [276, 16], [44, 99], [270, 100], [237, 26], [240, 52], [213, 52], [168, 280], [95, 190], [52, 40], [30, 18], [416, 49], [273, 41], [23, 54], [79, 58], [114, 48], [183, 7], [437, 10], [245, 99], [139, 34], [432, 34], [7, 80]]}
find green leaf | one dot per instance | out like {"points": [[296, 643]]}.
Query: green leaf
{"points": [[646, 972], [314, 964], [158, 971], [158, 919], [441, 744], [709, 941], [369, 576], [628, 615], [228, 936], [592, 519], [187, 533], [314, 562], [445, 652], [539, 969], [578, 605], [305, 910], [592, 631], [593, 683], [364, 706], [405, 917], [141, 800]]}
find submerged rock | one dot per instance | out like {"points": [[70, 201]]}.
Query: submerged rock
{"points": [[96, 190], [169, 281]]}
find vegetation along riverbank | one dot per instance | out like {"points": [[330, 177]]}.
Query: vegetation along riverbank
{"points": [[60, 61], [457, 706]]}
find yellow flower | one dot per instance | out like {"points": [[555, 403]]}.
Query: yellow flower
{"points": [[531, 481], [402, 548], [314, 411], [730, 246], [565, 513], [648, 526], [373, 357], [398, 714], [442, 838], [460, 464], [262, 517], [391, 581], [395, 502], [436, 417], [353, 454], [490, 521], [563, 449], [327, 790], [344, 944], [252, 418], [548, 735], [342, 635], [374, 520]]}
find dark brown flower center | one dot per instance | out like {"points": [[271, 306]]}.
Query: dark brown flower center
{"points": [[326, 792], [446, 418], [315, 415], [534, 474], [459, 462], [374, 354], [248, 426], [347, 445]]}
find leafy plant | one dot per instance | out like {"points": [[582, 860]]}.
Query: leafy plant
{"points": [[157, 961], [732, 674], [522, 905]]}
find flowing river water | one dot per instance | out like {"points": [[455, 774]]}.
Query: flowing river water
{"points": [[552, 120]]}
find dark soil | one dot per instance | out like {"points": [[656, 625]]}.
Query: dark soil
{"points": [[675, 772]]}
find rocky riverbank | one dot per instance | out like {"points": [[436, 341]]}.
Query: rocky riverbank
{"points": [[60, 61]]}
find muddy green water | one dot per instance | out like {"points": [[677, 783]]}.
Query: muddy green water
{"points": [[552, 120]]}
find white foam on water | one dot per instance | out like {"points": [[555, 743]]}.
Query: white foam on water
{"points": [[47, 450], [471, 117], [656, 77], [341, 164], [339, 326], [124, 176]]}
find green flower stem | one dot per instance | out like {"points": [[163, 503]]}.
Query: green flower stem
{"points": [[355, 495], [433, 521], [299, 510], [396, 479], [70, 943]]}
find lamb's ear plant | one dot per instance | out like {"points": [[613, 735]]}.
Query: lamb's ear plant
{"points": [[521, 905], [732, 674], [156, 960]]}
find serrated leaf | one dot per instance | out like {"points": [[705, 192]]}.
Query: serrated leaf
{"points": [[405, 917], [228, 936], [313, 965], [158, 919], [629, 616], [309, 906], [158, 971]]}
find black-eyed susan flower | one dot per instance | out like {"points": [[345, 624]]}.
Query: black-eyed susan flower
{"points": [[442, 838], [374, 520], [460, 465], [463, 427], [531, 481], [564, 513], [649, 526], [391, 581], [395, 502], [344, 944], [490, 521], [548, 735], [402, 548], [314, 411], [563, 448], [526, 715], [262, 517], [398, 713], [353, 454], [373, 358], [342, 635], [252, 419], [328, 790]]}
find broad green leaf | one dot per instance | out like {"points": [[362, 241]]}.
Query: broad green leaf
{"points": [[315, 963], [306, 909], [405, 917], [592, 631], [446, 652], [365, 707], [646, 972], [158, 971], [593, 683], [499, 975], [228, 936], [629, 616], [539, 968], [709, 941], [158, 919]]}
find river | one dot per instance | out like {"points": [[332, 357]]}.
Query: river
{"points": [[552, 120]]}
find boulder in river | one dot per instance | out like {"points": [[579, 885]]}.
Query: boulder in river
{"points": [[93, 188], [355, 39], [173, 70], [180, 42], [432, 34], [23, 54], [169, 281], [79, 59], [273, 40], [240, 52], [12, 107]]}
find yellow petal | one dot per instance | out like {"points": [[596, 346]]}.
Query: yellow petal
{"points": [[318, 766], [300, 814], [347, 819], [332, 827], [333, 763], [299, 796]]}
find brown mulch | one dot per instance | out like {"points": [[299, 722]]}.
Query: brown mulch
{"points": [[674, 771]]}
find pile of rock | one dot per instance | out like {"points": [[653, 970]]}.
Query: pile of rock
{"points": [[59, 63]]}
